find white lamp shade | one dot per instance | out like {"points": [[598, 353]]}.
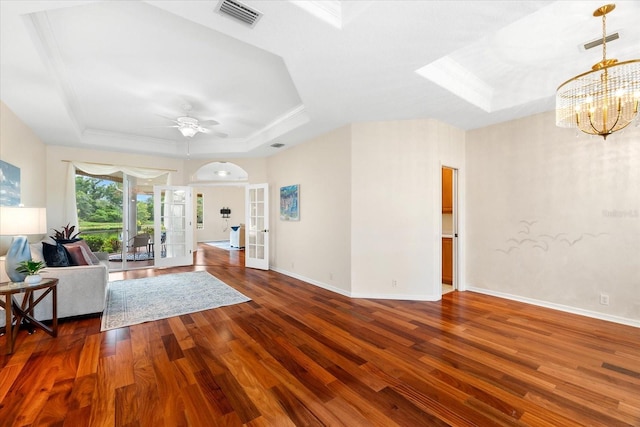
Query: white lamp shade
{"points": [[22, 221]]}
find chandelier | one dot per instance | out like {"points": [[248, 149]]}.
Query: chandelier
{"points": [[603, 100]]}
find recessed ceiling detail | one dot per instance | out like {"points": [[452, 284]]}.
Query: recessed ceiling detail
{"points": [[151, 74], [106, 75], [329, 11], [239, 11], [452, 76]]}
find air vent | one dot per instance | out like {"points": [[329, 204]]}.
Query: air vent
{"points": [[277, 145], [595, 43], [239, 11]]}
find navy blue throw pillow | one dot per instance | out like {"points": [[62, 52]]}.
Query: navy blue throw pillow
{"points": [[55, 255]]}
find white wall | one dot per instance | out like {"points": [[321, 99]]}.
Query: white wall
{"points": [[396, 206], [554, 218], [20, 147], [317, 248]]}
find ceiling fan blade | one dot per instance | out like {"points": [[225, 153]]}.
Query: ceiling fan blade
{"points": [[209, 122], [212, 133], [171, 119]]}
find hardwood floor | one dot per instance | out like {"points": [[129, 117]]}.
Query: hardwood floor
{"points": [[297, 355]]}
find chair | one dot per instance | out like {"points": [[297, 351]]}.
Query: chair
{"points": [[138, 241]]}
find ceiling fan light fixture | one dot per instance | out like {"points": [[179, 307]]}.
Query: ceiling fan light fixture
{"points": [[604, 100], [187, 131], [188, 126]]}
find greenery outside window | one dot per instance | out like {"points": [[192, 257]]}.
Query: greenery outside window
{"points": [[200, 211]]}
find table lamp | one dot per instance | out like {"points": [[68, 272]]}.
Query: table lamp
{"points": [[20, 222]]}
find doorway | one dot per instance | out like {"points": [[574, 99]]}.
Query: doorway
{"points": [[449, 229], [115, 216]]}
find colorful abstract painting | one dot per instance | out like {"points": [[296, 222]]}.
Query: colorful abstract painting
{"points": [[9, 184], [290, 203]]}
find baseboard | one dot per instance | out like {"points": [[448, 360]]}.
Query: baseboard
{"points": [[559, 307], [312, 282], [357, 295]]}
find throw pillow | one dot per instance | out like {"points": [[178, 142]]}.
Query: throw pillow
{"points": [[76, 255], [87, 253], [55, 255]]}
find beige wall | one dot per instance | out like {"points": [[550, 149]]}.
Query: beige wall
{"points": [[317, 248], [554, 218], [396, 206], [545, 217], [20, 147], [215, 198]]}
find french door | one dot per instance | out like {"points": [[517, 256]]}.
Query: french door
{"points": [[257, 233], [173, 226]]}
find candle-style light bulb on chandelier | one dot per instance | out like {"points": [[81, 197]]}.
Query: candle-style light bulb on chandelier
{"points": [[603, 100]]}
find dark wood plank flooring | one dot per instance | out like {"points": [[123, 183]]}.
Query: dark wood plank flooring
{"points": [[298, 355]]}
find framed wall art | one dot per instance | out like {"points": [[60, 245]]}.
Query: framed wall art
{"points": [[9, 184], [290, 203]]}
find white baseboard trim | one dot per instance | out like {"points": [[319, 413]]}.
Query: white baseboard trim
{"points": [[559, 307], [357, 295], [312, 282]]}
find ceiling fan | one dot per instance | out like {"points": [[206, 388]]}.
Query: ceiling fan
{"points": [[190, 126]]}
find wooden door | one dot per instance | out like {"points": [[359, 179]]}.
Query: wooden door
{"points": [[447, 190], [447, 260]]}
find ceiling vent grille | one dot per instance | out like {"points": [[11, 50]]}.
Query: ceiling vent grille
{"points": [[239, 11], [598, 42]]}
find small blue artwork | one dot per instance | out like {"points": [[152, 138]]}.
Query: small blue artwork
{"points": [[9, 184], [290, 203]]}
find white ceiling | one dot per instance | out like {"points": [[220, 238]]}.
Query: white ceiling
{"points": [[112, 74]]}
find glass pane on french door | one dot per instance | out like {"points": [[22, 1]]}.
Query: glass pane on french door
{"points": [[173, 226]]}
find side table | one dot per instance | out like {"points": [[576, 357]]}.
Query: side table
{"points": [[24, 311]]}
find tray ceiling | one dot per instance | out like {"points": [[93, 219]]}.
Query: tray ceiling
{"points": [[113, 75]]}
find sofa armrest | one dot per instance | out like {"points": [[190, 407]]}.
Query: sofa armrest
{"points": [[102, 256], [81, 290]]}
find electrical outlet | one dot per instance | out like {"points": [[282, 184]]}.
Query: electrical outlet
{"points": [[394, 283], [330, 276], [604, 299]]}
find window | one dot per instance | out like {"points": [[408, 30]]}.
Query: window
{"points": [[199, 211]]}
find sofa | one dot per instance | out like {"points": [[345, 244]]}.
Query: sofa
{"points": [[81, 288]]}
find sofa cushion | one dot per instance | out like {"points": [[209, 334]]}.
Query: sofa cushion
{"points": [[55, 255], [88, 255]]}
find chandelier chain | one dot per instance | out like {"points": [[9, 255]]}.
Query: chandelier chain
{"points": [[604, 38]]}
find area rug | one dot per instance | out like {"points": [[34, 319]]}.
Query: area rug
{"points": [[131, 302], [223, 244]]}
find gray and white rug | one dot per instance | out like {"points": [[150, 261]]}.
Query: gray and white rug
{"points": [[131, 302]]}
